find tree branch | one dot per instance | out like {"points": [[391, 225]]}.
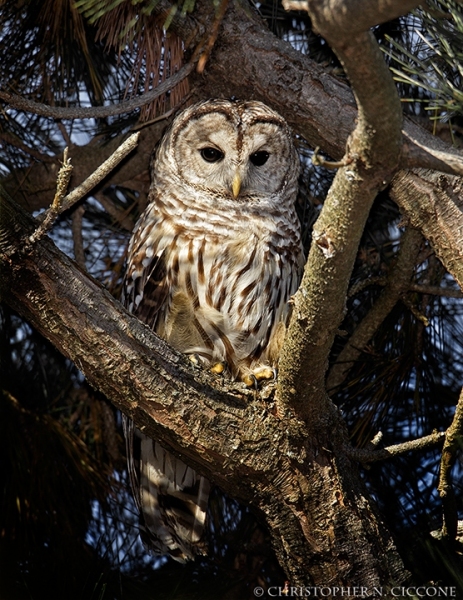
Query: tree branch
{"points": [[96, 112], [416, 155], [366, 455], [397, 284], [235, 439], [62, 202], [33, 187], [433, 290], [420, 288], [433, 203], [100, 173], [374, 148], [453, 442], [350, 17]]}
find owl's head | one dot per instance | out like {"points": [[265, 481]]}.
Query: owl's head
{"points": [[239, 151]]}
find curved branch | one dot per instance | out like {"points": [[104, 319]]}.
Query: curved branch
{"points": [[96, 112], [397, 284], [350, 17]]}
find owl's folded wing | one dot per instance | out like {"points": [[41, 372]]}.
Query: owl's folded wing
{"points": [[145, 289]]}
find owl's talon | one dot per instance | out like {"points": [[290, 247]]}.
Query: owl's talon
{"points": [[260, 374], [250, 380], [264, 374]]}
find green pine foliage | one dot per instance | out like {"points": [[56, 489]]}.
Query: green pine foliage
{"points": [[431, 59]]}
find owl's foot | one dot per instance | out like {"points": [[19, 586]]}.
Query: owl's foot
{"points": [[202, 362], [218, 368], [259, 374]]}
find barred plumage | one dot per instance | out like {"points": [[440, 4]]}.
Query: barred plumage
{"points": [[213, 262]]}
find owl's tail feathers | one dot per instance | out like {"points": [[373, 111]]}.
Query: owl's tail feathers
{"points": [[173, 501]]}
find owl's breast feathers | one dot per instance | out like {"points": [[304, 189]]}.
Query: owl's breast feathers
{"points": [[220, 292]]}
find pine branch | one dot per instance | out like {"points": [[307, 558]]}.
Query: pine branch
{"points": [[95, 112], [373, 151], [62, 202], [398, 283], [452, 444], [366, 455]]}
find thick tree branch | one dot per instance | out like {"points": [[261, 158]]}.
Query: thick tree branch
{"points": [[346, 18], [322, 109], [236, 440], [433, 203], [374, 148]]}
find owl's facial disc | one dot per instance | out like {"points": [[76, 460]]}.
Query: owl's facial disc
{"points": [[233, 155]]}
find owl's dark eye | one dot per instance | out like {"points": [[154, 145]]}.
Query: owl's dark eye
{"points": [[259, 158], [211, 155]]}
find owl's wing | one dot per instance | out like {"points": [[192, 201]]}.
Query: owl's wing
{"points": [[146, 289], [170, 496]]}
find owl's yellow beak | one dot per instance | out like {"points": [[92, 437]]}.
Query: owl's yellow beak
{"points": [[236, 185]]}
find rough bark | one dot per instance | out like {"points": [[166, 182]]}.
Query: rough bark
{"points": [[372, 157], [324, 528], [433, 203]]}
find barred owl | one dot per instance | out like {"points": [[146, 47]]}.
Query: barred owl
{"points": [[212, 264]]}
